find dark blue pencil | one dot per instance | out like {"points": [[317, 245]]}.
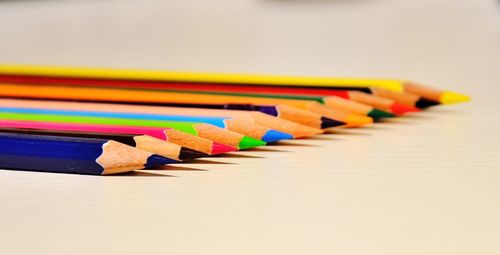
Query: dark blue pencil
{"points": [[73, 155]]}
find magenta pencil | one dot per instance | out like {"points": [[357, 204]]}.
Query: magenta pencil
{"points": [[169, 135]]}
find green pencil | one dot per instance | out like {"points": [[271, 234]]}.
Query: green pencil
{"points": [[320, 99]]}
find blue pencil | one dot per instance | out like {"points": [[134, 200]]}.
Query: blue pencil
{"points": [[270, 135], [72, 155]]}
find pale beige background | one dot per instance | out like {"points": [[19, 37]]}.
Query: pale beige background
{"points": [[426, 184]]}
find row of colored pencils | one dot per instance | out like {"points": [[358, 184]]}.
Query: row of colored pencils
{"points": [[106, 121]]}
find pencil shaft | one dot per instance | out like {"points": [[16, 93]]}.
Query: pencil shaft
{"points": [[441, 96], [303, 93], [203, 130], [89, 117], [113, 111], [258, 131], [71, 155], [158, 97], [144, 75], [169, 135], [245, 122], [143, 142]]}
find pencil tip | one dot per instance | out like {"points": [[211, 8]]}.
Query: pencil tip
{"points": [[274, 136], [218, 148], [425, 103], [188, 154], [329, 123], [449, 97], [156, 161], [378, 114], [400, 109], [356, 120], [249, 142]]}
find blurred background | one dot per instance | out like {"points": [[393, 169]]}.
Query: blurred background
{"points": [[448, 43]]}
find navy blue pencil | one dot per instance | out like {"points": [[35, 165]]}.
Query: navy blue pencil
{"points": [[60, 154]]}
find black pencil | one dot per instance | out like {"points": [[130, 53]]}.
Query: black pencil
{"points": [[143, 142]]}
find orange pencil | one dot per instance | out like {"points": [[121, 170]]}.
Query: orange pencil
{"points": [[249, 118], [158, 97]]}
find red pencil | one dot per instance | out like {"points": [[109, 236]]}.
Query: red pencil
{"points": [[378, 102]]}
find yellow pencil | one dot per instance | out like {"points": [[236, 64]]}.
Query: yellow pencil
{"points": [[442, 96]]}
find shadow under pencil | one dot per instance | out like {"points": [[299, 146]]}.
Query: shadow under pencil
{"points": [[204, 161], [178, 168], [297, 144], [139, 173], [236, 155]]}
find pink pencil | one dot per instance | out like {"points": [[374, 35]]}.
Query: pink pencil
{"points": [[169, 135]]}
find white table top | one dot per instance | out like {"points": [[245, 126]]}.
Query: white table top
{"points": [[422, 184]]}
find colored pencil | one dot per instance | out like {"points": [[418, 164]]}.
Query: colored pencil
{"points": [[239, 126], [384, 100], [389, 106], [207, 131], [190, 142], [156, 97], [377, 103], [73, 155], [238, 120], [399, 98], [345, 106], [300, 116], [441, 96], [143, 142], [281, 111], [380, 106]]}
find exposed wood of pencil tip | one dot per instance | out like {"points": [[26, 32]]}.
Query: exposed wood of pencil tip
{"points": [[422, 90], [352, 119], [189, 141], [348, 105], [157, 146], [398, 96], [380, 103], [300, 116], [245, 127], [118, 158], [433, 94], [326, 111], [283, 125], [143, 142], [219, 135]]}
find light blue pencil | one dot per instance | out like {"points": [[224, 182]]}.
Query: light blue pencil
{"points": [[270, 135]]}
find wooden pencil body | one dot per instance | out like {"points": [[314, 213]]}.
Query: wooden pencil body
{"points": [[69, 155]]}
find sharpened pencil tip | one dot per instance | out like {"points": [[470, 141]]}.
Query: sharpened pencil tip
{"points": [[378, 114], [329, 123], [249, 142], [272, 136], [425, 103], [356, 120], [218, 148], [449, 97], [189, 154], [400, 109], [156, 161]]}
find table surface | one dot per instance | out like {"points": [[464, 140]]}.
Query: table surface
{"points": [[423, 184]]}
